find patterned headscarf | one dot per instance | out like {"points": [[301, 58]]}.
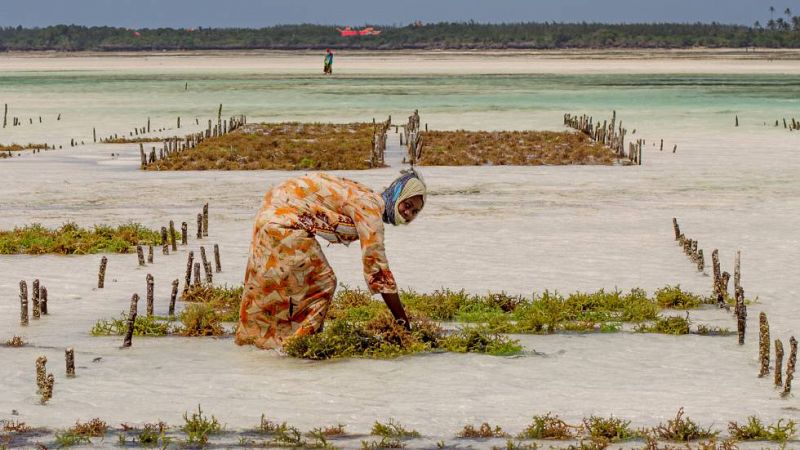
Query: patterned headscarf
{"points": [[408, 185]]}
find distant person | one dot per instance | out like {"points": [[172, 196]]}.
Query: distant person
{"points": [[328, 68]]}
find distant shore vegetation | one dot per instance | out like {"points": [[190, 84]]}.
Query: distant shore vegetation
{"points": [[780, 32]]}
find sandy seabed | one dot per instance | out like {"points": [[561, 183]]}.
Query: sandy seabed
{"points": [[515, 229]]}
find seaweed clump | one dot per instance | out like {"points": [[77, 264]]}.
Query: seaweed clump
{"points": [[683, 429], [756, 430], [382, 337]]}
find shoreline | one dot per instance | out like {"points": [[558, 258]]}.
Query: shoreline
{"points": [[428, 62]]}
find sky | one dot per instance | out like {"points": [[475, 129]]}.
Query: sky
{"points": [[261, 13]]}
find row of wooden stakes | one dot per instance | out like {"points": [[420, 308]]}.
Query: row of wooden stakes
{"points": [[720, 289], [720, 278], [609, 134], [174, 145], [16, 121]]}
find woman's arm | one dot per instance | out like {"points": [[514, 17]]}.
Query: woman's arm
{"points": [[396, 307]]}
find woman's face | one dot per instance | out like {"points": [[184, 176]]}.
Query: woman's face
{"points": [[410, 207]]}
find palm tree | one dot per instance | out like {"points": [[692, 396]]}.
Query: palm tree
{"points": [[788, 13], [757, 25], [772, 12]]}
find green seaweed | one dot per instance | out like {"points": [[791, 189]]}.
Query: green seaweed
{"points": [[71, 239]]}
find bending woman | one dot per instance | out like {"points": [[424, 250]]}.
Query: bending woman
{"points": [[288, 284]]}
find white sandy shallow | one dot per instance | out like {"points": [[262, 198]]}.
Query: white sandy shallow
{"points": [[517, 229]]}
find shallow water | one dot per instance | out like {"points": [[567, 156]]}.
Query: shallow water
{"points": [[518, 229]]}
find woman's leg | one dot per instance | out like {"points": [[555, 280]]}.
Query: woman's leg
{"points": [[288, 287]]}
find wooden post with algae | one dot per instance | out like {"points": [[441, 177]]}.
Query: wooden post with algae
{"points": [[35, 299], [717, 274], [101, 274], [140, 254], [41, 373], [197, 274], [43, 301], [69, 355], [150, 295], [128, 341], [164, 241], [188, 278], [778, 362], [787, 384], [737, 271], [217, 263], [763, 344], [741, 315], [47, 391], [199, 226], [150, 254], [173, 296], [23, 303], [184, 233], [172, 236], [205, 220]]}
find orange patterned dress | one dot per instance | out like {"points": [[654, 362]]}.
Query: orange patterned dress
{"points": [[288, 284]]}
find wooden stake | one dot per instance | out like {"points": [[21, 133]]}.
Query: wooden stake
{"points": [[128, 341], [173, 296], [23, 303], [737, 270], [172, 236], [164, 241], [43, 301], [101, 274], [188, 278], [199, 226], [140, 254], [197, 274], [69, 355], [41, 373], [47, 391], [737, 120], [717, 274], [217, 263], [701, 260], [676, 228], [787, 385], [35, 298], [205, 220], [763, 344], [741, 315], [150, 295], [150, 254], [778, 363], [184, 233], [94, 134]]}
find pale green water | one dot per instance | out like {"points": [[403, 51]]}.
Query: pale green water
{"points": [[116, 102]]}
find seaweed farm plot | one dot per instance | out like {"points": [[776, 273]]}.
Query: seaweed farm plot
{"points": [[520, 148], [285, 146], [359, 326]]}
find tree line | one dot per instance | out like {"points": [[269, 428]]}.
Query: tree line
{"points": [[778, 33]]}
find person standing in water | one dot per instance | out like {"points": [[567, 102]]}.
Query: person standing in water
{"points": [[288, 283], [328, 67]]}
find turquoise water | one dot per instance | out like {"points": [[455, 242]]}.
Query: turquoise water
{"points": [[117, 102]]}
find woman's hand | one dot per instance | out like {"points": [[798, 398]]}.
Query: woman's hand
{"points": [[396, 307]]}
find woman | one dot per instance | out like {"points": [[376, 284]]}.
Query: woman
{"points": [[288, 283]]}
